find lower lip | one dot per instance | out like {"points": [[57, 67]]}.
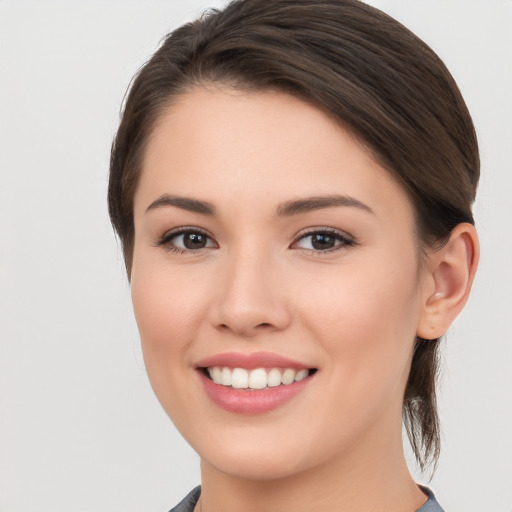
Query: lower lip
{"points": [[245, 401]]}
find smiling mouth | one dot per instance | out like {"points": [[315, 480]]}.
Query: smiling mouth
{"points": [[255, 379]]}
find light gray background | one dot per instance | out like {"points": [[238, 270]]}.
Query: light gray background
{"points": [[80, 428]]}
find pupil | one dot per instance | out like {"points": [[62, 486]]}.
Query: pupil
{"points": [[322, 241], [194, 241]]}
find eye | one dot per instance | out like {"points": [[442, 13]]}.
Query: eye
{"points": [[323, 240], [186, 240]]}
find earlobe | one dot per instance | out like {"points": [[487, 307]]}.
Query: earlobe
{"points": [[452, 270]]}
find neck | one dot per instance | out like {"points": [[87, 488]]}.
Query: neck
{"points": [[354, 483]]}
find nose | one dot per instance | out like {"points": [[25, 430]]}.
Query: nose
{"points": [[251, 297]]}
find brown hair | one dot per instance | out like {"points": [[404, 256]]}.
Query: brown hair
{"points": [[371, 74]]}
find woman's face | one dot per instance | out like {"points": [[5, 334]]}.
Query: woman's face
{"points": [[268, 240]]}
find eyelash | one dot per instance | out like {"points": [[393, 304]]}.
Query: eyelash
{"points": [[344, 239], [166, 240]]}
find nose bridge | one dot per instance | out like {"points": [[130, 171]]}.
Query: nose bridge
{"points": [[251, 298]]}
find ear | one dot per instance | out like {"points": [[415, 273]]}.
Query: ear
{"points": [[451, 271]]}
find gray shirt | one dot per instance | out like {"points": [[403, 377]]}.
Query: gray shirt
{"points": [[188, 504]]}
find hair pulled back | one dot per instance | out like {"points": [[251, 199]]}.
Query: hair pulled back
{"points": [[372, 75]]}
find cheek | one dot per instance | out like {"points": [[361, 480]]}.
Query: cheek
{"points": [[168, 308], [366, 319]]}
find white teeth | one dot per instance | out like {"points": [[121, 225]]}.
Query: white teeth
{"points": [[274, 378], [215, 374], [301, 375], [260, 378], [240, 378], [227, 377], [288, 376]]}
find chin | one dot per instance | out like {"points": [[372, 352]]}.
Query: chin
{"points": [[258, 455], [254, 465]]}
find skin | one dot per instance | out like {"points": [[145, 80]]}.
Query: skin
{"points": [[351, 312]]}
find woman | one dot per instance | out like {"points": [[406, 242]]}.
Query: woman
{"points": [[292, 185]]}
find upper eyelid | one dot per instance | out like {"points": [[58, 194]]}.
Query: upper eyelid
{"points": [[324, 229], [185, 229]]}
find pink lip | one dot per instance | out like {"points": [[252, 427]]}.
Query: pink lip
{"points": [[250, 361], [250, 401]]}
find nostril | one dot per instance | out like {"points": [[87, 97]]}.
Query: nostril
{"points": [[265, 325]]}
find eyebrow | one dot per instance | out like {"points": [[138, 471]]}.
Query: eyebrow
{"points": [[286, 209], [185, 203], [309, 204]]}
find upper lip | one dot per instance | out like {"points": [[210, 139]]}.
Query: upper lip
{"points": [[250, 361]]}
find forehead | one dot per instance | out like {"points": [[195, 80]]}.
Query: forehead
{"points": [[239, 147]]}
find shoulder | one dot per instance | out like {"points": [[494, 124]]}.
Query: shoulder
{"points": [[431, 505], [189, 502]]}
